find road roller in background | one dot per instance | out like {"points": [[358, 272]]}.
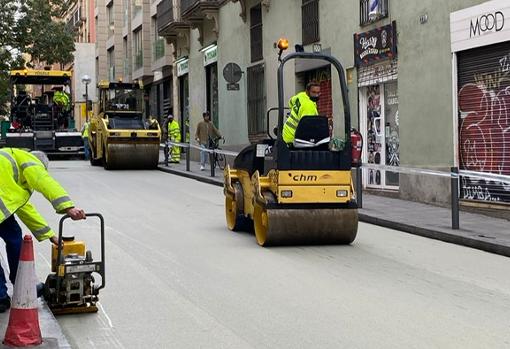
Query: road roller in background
{"points": [[119, 136], [301, 194]]}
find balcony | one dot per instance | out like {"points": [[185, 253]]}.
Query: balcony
{"points": [[169, 20], [197, 10]]}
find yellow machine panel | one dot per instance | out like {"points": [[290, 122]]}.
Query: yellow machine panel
{"points": [[314, 177], [314, 194], [70, 247]]}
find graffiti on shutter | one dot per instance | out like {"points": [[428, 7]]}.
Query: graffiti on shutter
{"points": [[484, 120]]}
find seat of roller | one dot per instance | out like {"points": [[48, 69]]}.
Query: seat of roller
{"points": [[247, 159]]}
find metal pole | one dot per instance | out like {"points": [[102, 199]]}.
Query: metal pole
{"points": [[86, 102], [188, 154], [211, 162], [359, 187], [455, 197]]}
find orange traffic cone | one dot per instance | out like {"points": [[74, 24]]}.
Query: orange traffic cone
{"points": [[23, 329]]}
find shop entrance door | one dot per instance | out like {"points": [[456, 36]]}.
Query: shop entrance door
{"points": [[379, 121]]}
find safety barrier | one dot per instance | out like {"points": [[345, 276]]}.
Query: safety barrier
{"points": [[454, 174]]}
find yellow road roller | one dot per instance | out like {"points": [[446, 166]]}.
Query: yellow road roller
{"points": [[300, 193], [119, 135]]}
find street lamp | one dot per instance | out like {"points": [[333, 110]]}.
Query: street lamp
{"points": [[86, 80]]}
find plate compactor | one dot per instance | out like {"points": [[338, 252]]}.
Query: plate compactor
{"points": [[298, 194], [71, 288]]}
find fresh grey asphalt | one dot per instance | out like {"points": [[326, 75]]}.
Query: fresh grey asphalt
{"points": [[177, 278]]}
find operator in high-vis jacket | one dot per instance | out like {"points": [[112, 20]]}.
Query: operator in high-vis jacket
{"points": [[302, 104], [21, 173]]}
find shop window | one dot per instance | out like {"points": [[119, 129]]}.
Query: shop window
{"points": [[256, 33], [256, 100], [212, 92], [310, 21], [371, 11]]}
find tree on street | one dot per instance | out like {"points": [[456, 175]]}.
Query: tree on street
{"points": [[32, 31]]}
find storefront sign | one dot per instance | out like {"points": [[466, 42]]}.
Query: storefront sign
{"points": [[211, 55], [183, 67], [375, 45], [158, 75], [232, 87], [482, 25]]}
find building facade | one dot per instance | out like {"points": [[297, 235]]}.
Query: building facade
{"points": [[399, 64], [80, 18], [128, 47]]}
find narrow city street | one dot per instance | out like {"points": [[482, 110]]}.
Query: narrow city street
{"points": [[176, 277]]}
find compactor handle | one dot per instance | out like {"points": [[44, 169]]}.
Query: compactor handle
{"points": [[60, 245]]}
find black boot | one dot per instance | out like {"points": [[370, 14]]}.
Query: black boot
{"points": [[5, 303], [40, 289]]}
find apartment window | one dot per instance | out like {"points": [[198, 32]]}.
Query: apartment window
{"points": [[127, 66], [158, 45], [310, 21], [138, 49], [256, 100], [110, 58], [125, 10], [371, 11], [137, 6], [256, 33], [111, 23]]}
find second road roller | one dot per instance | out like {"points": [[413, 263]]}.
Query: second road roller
{"points": [[119, 135], [300, 193]]}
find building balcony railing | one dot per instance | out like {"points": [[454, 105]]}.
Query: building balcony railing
{"points": [[158, 48], [169, 19], [195, 9]]}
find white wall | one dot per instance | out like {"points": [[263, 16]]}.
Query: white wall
{"points": [[84, 64]]}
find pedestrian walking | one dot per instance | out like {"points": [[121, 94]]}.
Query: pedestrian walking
{"points": [[205, 131]]}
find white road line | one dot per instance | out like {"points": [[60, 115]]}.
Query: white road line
{"points": [[106, 315]]}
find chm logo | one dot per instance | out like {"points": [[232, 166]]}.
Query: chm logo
{"points": [[304, 178]]}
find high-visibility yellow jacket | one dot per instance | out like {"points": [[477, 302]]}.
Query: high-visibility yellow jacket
{"points": [[174, 131], [20, 174], [61, 98], [300, 105], [85, 130]]}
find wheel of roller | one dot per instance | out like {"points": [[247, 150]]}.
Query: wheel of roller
{"points": [[261, 219], [236, 220]]}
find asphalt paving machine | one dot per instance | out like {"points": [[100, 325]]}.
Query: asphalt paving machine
{"points": [[292, 194], [42, 115], [71, 287], [119, 135]]}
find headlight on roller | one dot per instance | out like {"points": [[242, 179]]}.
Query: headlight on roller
{"points": [[286, 193], [342, 193]]}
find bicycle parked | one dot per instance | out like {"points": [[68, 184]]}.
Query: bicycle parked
{"points": [[219, 160]]}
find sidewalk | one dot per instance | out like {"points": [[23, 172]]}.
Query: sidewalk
{"points": [[476, 231], [51, 332]]}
